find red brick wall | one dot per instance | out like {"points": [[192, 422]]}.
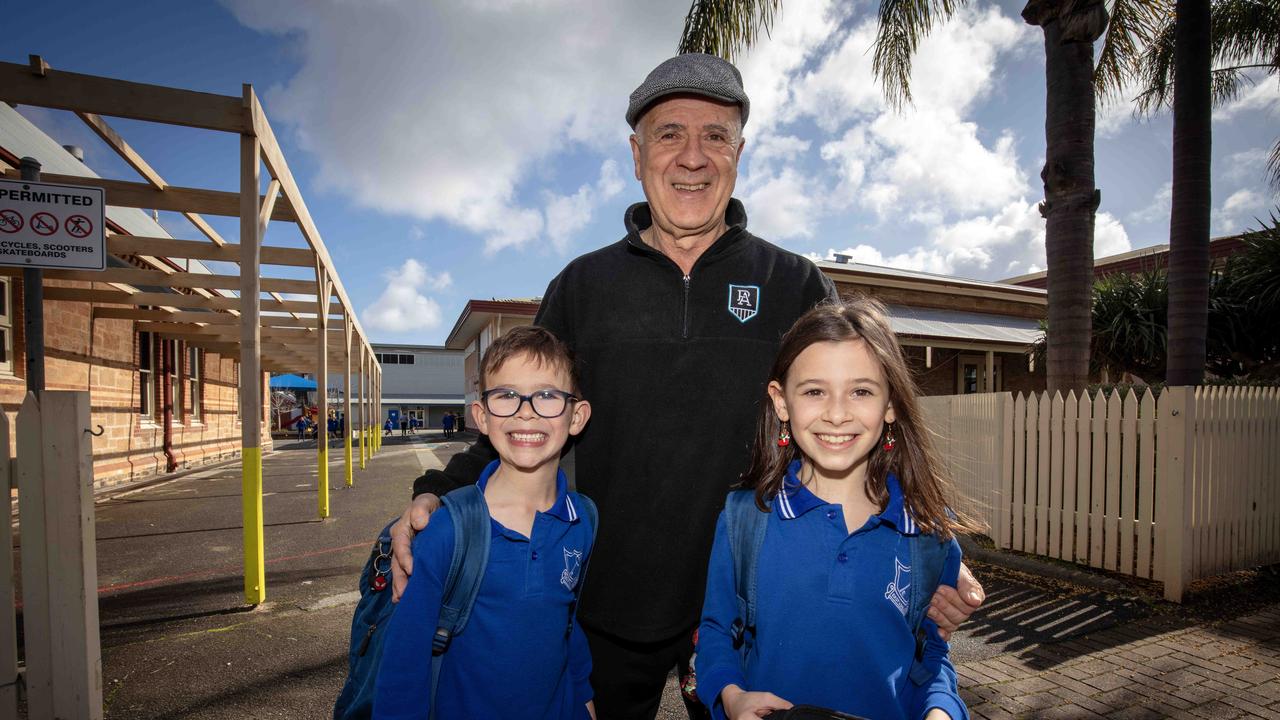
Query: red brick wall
{"points": [[101, 356]]}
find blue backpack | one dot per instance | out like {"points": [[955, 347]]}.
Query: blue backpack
{"points": [[745, 525], [466, 569]]}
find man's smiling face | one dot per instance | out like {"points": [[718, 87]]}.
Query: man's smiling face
{"points": [[686, 152]]}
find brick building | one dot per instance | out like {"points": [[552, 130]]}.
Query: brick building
{"points": [[139, 381]]}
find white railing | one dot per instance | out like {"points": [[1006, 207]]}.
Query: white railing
{"points": [[1173, 490]]}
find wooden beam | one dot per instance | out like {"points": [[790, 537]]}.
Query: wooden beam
{"points": [[176, 300], [268, 205], [175, 280], [122, 148], [192, 317], [119, 98], [122, 193], [197, 250]]}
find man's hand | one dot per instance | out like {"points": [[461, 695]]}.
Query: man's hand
{"points": [[952, 606], [415, 517], [742, 705]]}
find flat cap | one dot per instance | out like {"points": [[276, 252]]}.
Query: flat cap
{"points": [[690, 74]]}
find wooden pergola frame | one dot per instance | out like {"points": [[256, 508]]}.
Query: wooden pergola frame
{"points": [[263, 333]]}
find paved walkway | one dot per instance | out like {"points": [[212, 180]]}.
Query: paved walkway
{"points": [[1153, 668]]}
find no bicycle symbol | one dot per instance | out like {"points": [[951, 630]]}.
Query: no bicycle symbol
{"points": [[10, 221], [44, 223], [78, 226]]}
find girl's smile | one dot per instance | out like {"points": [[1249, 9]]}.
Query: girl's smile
{"points": [[836, 400]]}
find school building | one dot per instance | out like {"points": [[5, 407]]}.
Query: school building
{"points": [[421, 382], [961, 335]]}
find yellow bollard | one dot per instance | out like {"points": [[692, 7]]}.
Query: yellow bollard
{"points": [[255, 567], [322, 476]]}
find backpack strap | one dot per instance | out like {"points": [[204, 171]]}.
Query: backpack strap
{"points": [[745, 525], [470, 516], [589, 515], [928, 557]]}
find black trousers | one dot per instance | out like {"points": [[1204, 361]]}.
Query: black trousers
{"points": [[628, 677]]}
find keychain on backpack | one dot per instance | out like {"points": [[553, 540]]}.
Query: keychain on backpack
{"points": [[379, 581]]}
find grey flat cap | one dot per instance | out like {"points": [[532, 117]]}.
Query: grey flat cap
{"points": [[692, 74]]}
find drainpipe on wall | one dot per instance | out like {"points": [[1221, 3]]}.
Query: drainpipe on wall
{"points": [[166, 419]]}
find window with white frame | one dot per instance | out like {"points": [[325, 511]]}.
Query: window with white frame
{"points": [[195, 382], [172, 367], [6, 325], [147, 376]]}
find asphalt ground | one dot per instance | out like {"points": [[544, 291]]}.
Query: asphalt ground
{"points": [[179, 642]]}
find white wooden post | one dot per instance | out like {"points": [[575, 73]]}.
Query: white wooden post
{"points": [[60, 597], [8, 621], [1175, 421]]}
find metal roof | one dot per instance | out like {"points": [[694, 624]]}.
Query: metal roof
{"points": [[961, 325]]}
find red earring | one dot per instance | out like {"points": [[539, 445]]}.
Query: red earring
{"points": [[889, 441], [784, 437]]}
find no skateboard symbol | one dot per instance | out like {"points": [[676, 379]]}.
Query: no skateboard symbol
{"points": [[10, 221], [44, 223], [78, 226]]}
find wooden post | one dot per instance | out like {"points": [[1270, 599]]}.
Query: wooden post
{"points": [[255, 578], [364, 422], [346, 395], [989, 382], [322, 386], [1175, 432], [8, 623], [59, 561]]}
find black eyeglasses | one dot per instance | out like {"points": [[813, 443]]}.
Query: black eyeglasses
{"points": [[505, 402]]}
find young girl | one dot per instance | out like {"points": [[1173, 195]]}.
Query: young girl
{"points": [[843, 466]]}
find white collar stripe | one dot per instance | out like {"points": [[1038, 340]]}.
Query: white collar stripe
{"points": [[573, 511], [784, 505]]}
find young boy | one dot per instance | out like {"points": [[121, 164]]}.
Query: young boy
{"points": [[514, 658]]}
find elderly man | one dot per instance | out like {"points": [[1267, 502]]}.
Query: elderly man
{"points": [[675, 326]]}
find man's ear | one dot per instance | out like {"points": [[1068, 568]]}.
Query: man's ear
{"points": [[635, 154], [581, 414], [779, 400]]}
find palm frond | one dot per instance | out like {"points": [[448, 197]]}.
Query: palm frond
{"points": [[903, 25], [726, 27], [1273, 166], [1246, 31], [1156, 74], [1133, 26]]}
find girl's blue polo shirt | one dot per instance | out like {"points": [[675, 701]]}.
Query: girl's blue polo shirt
{"points": [[513, 659], [831, 625]]}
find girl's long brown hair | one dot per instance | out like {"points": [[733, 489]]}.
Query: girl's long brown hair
{"points": [[926, 490]]}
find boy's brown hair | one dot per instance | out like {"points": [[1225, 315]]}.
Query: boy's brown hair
{"points": [[536, 342]]}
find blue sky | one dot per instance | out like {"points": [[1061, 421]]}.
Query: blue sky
{"points": [[460, 150]]}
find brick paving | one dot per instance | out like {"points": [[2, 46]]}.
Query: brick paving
{"points": [[1159, 667]]}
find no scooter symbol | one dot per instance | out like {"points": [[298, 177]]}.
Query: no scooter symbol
{"points": [[44, 223]]}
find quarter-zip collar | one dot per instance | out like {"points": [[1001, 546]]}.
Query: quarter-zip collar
{"points": [[638, 218]]}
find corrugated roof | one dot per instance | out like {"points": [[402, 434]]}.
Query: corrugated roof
{"points": [[919, 275], [961, 325]]}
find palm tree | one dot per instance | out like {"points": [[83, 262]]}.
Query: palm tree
{"points": [[1197, 57], [1071, 200]]}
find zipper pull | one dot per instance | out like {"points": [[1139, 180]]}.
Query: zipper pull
{"points": [[364, 644]]}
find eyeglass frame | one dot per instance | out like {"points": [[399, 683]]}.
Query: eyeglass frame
{"points": [[568, 398]]}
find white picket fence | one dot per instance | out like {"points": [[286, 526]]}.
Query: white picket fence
{"points": [[1177, 489]]}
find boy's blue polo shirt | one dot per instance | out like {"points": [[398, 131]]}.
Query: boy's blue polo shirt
{"points": [[830, 616], [512, 660]]}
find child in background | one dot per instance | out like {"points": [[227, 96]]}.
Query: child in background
{"points": [[522, 653], [844, 467]]}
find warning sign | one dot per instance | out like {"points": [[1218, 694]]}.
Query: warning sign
{"points": [[52, 226]]}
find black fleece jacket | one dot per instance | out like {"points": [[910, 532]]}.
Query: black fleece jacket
{"points": [[675, 380]]}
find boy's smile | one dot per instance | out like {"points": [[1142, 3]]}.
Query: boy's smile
{"points": [[526, 441]]}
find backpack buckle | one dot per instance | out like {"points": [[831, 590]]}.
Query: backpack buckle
{"points": [[738, 630], [440, 641]]}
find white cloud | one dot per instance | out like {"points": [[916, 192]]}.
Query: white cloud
{"points": [[1248, 165], [781, 207], [1263, 96], [1238, 211], [568, 214], [403, 306], [1159, 208], [440, 110]]}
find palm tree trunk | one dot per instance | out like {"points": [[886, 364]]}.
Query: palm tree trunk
{"points": [[1070, 196], [1192, 194]]}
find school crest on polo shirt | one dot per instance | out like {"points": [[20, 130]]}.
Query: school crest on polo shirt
{"points": [[572, 568], [896, 591], [744, 301]]}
